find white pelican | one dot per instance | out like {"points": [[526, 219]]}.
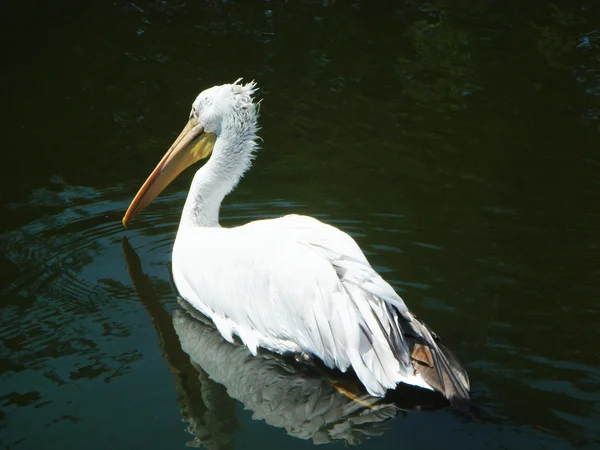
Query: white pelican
{"points": [[291, 284]]}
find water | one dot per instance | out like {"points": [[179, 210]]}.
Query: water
{"points": [[456, 142]]}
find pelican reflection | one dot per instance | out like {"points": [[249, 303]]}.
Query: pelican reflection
{"points": [[308, 401]]}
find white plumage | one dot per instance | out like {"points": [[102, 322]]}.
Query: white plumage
{"points": [[299, 286], [292, 284]]}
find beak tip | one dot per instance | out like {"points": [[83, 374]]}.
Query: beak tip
{"points": [[125, 221]]}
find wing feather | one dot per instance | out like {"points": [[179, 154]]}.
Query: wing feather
{"points": [[294, 284]]}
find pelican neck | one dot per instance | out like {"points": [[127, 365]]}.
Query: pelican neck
{"points": [[213, 181]]}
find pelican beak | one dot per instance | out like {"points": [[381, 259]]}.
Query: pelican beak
{"points": [[192, 145]]}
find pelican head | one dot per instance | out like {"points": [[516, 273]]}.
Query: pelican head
{"points": [[220, 112]]}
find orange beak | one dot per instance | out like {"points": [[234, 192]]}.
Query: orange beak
{"points": [[192, 145]]}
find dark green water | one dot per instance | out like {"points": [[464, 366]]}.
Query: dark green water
{"points": [[456, 141]]}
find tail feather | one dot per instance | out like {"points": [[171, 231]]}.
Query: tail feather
{"points": [[436, 364], [393, 345]]}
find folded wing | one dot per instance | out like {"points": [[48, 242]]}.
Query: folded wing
{"points": [[294, 284]]}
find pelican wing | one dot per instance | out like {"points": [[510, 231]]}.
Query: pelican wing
{"points": [[295, 284]]}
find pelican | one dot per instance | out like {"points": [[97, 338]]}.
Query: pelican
{"points": [[291, 285]]}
